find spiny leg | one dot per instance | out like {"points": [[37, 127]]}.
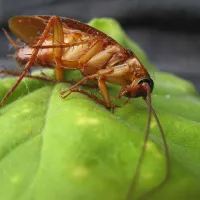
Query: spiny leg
{"points": [[101, 84], [69, 90], [106, 73], [12, 42], [121, 93], [111, 72], [87, 78], [105, 94], [60, 45], [32, 58], [94, 98], [94, 49], [44, 77], [91, 96], [101, 75], [104, 91], [58, 38]]}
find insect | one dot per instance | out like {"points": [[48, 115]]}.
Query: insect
{"points": [[62, 43]]}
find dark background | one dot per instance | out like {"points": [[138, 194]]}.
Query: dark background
{"points": [[168, 31]]}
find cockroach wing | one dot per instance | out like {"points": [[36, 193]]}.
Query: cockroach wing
{"points": [[27, 28]]}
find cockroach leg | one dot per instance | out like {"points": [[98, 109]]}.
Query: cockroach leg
{"points": [[64, 45], [94, 98], [91, 96], [12, 42], [69, 90], [127, 101], [58, 38], [42, 78], [101, 84], [103, 88], [113, 107], [121, 93], [104, 91], [96, 47]]}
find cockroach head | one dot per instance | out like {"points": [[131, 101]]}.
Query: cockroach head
{"points": [[140, 88]]}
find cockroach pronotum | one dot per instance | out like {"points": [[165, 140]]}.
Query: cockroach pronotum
{"points": [[62, 43]]}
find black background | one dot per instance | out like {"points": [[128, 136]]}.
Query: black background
{"points": [[168, 31]]}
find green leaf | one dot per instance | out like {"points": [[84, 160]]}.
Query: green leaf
{"points": [[53, 148]]}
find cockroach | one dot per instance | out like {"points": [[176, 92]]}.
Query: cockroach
{"points": [[62, 43]]}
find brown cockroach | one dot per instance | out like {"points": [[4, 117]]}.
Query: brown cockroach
{"points": [[62, 43]]}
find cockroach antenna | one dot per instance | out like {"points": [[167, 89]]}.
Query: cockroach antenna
{"points": [[151, 111]]}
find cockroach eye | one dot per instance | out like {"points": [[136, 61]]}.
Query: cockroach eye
{"points": [[147, 80]]}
